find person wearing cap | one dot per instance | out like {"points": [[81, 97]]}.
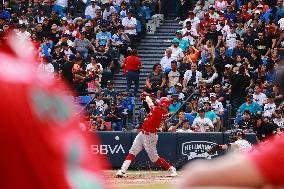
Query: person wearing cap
{"points": [[23, 33], [250, 105], [278, 119], [148, 138], [54, 34], [109, 9], [193, 19], [175, 103], [114, 115], [246, 123], [206, 21], [91, 9], [209, 75], [183, 43], [263, 45], [177, 52], [83, 45], [129, 24], [89, 33], [217, 106], [212, 13], [270, 106], [223, 26], [201, 123], [71, 31], [214, 35]]}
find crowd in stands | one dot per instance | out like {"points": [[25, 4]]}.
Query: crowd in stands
{"points": [[226, 53]]}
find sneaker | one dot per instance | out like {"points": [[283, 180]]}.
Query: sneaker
{"points": [[173, 172], [121, 174]]}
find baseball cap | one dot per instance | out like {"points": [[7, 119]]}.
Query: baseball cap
{"points": [[72, 57], [212, 95], [109, 82], [175, 40], [64, 18], [249, 95], [87, 24], [71, 24], [257, 12], [190, 12], [228, 66], [112, 102], [175, 94], [260, 6], [93, 0], [211, 7], [129, 11], [207, 102], [178, 84], [206, 14], [179, 31]]}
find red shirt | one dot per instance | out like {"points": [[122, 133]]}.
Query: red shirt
{"points": [[131, 63], [153, 119], [268, 159], [203, 22]]}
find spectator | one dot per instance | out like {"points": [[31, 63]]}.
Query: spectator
{"points": [[258, 96], [91, 9], [120, 42], [129, 24], [113, 114], [109, 92], [94, 72], [156, 81], [201, 123], [190, 34], [173, 76], [46, 67], [175, 103], [67, 69], [167, 60], [217, 106], [103, 38], [83, 45], [191, 78], [108, 11], [278, 119], [193, 19], [101, 106], [185, 127], [131, 68], [183, 43], [246, 123], [23, 33], [163, 127], [264, 130], [270, 106], [250, 105], [177, 53]]}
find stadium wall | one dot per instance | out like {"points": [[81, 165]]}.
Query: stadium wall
{"points": [[177, 148]]}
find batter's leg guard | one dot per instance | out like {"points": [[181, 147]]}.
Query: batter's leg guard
{"points": [[127, 162], [163, 163]]}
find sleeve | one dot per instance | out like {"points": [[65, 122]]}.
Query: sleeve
{"points": [[268, 160]]}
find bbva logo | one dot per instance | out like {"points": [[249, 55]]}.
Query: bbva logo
{"points": [[197, 149], [107, 149]]}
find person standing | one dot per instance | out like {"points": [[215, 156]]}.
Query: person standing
{"points": [[131, 69], [148, 138]]}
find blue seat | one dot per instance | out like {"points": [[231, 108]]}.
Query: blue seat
{"points": [[83, 99]]}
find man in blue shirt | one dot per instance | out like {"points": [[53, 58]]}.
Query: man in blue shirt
{"points": [[103, 37]]}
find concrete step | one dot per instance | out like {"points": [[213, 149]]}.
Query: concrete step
{"points": [[161, 37], [141, 52]]}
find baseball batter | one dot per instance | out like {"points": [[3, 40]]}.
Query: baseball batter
{"points": [[148, 138]]}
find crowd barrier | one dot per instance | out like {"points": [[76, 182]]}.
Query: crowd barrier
{"points": [[177, 148]]}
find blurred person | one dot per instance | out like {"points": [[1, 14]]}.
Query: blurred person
{"points": [[177, 52], [263, 129], [175, 103], [163, 127], [209, 75], [279, 119], [129, 24], [103, 37], [100, 104], [231, 40], [91, 9], [217, 106], [183, 43], [193, 19], [23, 33], [185, 127], [109, 93], [223, 27], [190, 34], [71, 31], [131, 68], [46, 67], [173, 76], [109, 9], [148, 138], [221, 5], [221, 61], [119, 42], [83, 45], [66, 72], [213, 13]]}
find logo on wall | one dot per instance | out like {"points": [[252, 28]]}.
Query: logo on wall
{"points": [[197, 149], [107, 149]]}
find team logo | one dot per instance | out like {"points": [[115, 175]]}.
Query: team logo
{"points": [[197, 149]]}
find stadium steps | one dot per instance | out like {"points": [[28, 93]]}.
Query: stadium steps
{"points": [[150, 50]]}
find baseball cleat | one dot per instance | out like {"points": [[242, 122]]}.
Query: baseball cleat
{"points": [[173, 172], [121, 174]]}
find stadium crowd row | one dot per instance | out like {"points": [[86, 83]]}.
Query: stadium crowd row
{"points": [[226, 52]]}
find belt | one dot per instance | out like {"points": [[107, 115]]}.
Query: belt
{"points": [[147, 133]]}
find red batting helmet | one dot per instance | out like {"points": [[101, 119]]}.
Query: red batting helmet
{"points": [[164, 101]]}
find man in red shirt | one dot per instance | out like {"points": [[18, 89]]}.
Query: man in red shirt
{"points": [[207, 21], [131, 68], [148, 137]]}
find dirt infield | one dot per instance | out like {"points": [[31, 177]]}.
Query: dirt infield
{"points": [[140, 179]]}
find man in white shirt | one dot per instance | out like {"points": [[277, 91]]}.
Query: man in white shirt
{"points": [[191, 78], [193, 19], [185, 127], [129, 24], [231, 40], [91, 9], [190, 33], [46, 67], [216, 106], [177, 53], [166, 60], [258, 96], [223, 27], [201, 123], [270, 106], [23, 34], [173, 76], [108, 11]]}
